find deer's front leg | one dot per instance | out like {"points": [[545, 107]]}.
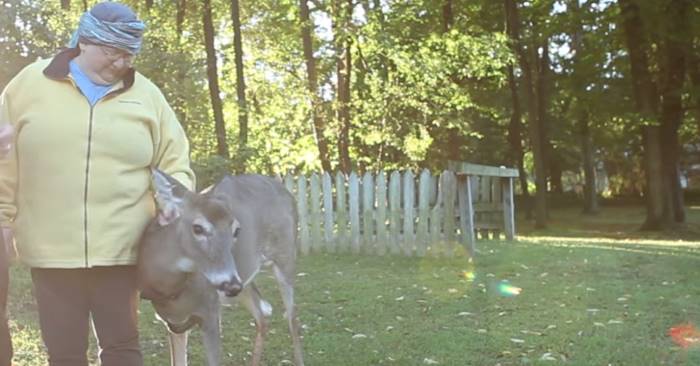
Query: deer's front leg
{"points": [[178, 348], [211, 337]]}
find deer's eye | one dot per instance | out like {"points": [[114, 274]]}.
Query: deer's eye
{"points": [[198, 229]]}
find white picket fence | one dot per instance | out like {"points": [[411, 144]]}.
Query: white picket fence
{"points": [[403, 214]]}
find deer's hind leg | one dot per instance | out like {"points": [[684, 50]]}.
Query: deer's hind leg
{"points": [[285, 280], [260, 309]]}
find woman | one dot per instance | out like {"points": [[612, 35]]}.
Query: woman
{"points": [[76, 187]]}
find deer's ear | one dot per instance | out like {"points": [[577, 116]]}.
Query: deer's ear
{"points": [[169, 194]]}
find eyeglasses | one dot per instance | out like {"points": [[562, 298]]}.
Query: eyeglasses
{"points": [[114, 55]]}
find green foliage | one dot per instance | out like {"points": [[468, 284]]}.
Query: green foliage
{"points": [[424, 88]]}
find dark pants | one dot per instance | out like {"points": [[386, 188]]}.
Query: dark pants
{"points": [[5, 342], [67, 298]]}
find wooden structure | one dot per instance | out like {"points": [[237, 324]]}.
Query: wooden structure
{"points": [[402, 213]]}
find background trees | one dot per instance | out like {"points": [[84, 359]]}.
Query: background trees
{"points": [[561, 89]]}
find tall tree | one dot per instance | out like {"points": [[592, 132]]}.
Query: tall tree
{"points": [[180, 12], [65, 4], [515, 127], [343, 42], [515, 134], [240, 85], [590, 195], [213, 78], [525, 58], [447, 15], [540, 56], [674, 65], [660, 123], [319, 126]]}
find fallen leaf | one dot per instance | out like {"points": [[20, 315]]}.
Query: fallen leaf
{"points": [[685, 335], [359, 336], [430, 361], [516, 340]]}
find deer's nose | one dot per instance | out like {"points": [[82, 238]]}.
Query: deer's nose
{"points": [[231, 288]]}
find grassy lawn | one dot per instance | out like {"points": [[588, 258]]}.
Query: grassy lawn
{"points": [[594, 291]]}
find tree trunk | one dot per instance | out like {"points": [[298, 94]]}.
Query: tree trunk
{"points": [[693, 57], [65, 4], [149, 4], [534, 122], [85, 5], [555, 174], [590, 194], [240, 86], [343, 43], [655, 191], [549, 158], [515, 128], [447, 16], [180, 17], [213, 78], [318, 124], [672, 106], [646, 98]]}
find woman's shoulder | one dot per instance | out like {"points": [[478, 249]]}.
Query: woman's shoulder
{"points": [[147, 86]]}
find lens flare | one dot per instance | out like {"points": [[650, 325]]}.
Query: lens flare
{"points": [[506, 289], [685, 335]]}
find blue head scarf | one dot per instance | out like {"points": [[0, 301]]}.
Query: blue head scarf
{"points": [[110, 24]]}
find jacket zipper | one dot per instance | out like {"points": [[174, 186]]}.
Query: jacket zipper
{"points": [[87, 174]]}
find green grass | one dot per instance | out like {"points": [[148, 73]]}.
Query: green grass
{"points": [[595, 291]]}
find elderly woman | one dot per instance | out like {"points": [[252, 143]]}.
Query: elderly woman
{"points": [[75, 189]]}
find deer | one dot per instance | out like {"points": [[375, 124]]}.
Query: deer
{"points": [[204, 250]]}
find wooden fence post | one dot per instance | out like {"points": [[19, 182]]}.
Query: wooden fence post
{"points": [[368, 213], [354, 203], [315, 219], [508, 208], [303, 215], [449, 195], [395, 211], [409, 198], [328, 226], [341, 212], [423, 212], [466, 213], [382, 237], [436, 218]]}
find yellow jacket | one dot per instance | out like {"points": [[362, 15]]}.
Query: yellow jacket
{"points": [[76, 186]]}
